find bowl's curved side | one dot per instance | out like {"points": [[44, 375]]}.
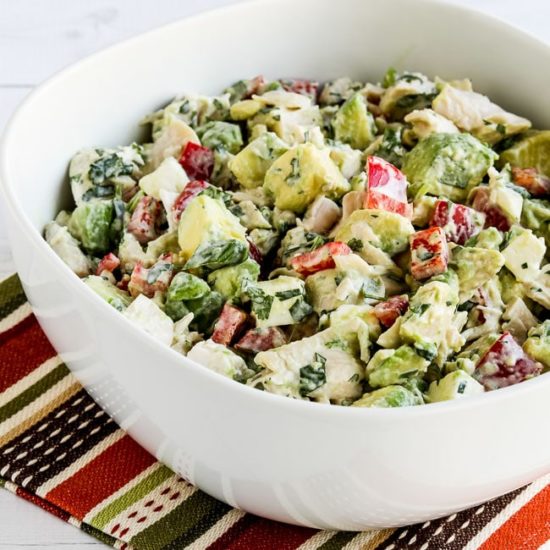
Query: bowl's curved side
{"points": [[314, 465]]}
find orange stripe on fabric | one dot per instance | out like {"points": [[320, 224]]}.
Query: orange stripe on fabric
{"points": [[101, 477], [527, 529], [23, 348]]}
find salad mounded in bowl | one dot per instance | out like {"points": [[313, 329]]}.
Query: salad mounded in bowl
{"points": [[372, 245]]}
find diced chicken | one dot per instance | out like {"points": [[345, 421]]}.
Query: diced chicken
{"points": [[476, 114], [321, 215], [66, 247], [519, 320], [426, 122]]}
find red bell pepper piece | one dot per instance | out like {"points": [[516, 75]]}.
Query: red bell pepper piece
{"points": [[109, 262], [197, 161], [387, 312], [504, 364], [191, 190], [319, 259], [229, 324], [457, 221], [429, 253], [261, 339]]}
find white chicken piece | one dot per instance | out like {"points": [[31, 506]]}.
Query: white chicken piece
{"points": [[172, 136], [490, 305], [518, 319], [539, 289], [321, 215], [282, 98], [66, 247], [410, 84], [184, 339], [351, 202], [426, 122], [148, 316], [323, 367], [477, 114], [220, 359], [169, 176]]}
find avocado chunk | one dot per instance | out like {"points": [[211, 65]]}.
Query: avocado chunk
{"points": [[115, 297], [221, 135], [535, 215], [389, 396], [250, 165], [453, 386], [400, 366], [367, 228], [277, 302], [537, 344], [447, 165], [207, 222], [353, 124], [490, 238], [474, 267], [90, 224], [298, 176], [229, 281]]}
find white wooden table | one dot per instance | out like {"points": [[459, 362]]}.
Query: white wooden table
{"points": [[37, 38]]}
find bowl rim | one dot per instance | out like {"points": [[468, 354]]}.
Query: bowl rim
{"points": [[17, 212]]}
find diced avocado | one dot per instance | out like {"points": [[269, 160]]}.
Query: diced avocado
{"points": [[204, 222], [401, 365], [428, 320], [221, 135], [537, 344], [345, 315], [389, 396], [388, 231], [337, 91], [250, 165], [353, 124], [423, 209], [323, 367], [510, 287], [220, 359], [490, 238], [453, 386], [221, 174], [297, 241], [206, 310], [119, 299], [278, 302], [245, 109], [148, 316], [299, 175], [90, 223], [185, 286], [169, 176], [215, 255], [321, 290], [531, 152], [229, 281], [523, 253], [448, 165], [536, 216], [474, 267], [265, 240]]}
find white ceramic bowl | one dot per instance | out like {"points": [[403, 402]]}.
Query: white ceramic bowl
{"points": [[305, 463]]}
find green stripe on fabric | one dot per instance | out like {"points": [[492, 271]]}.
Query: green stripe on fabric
{"points": [[201, 526], [34, 392], [145, 486], [11, 295], [176, 523], [339, 540], [97, 534]]}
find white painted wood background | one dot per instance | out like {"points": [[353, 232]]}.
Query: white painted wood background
{"points": [[37, 38]]}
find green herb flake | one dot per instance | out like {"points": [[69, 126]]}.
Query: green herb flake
{"points": [[313, 376]]}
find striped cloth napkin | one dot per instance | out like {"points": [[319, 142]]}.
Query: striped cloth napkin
{"points": [[59, 450]]}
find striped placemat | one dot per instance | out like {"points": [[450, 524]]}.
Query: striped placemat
{"points": [[59, 450]]}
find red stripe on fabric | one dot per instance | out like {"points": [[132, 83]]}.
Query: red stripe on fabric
{"points": [[23, 348], [104, 475], [48, 506], [527, 529], [253, 532]]}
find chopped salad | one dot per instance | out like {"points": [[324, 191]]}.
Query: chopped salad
{"points": [[372, 245]]}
